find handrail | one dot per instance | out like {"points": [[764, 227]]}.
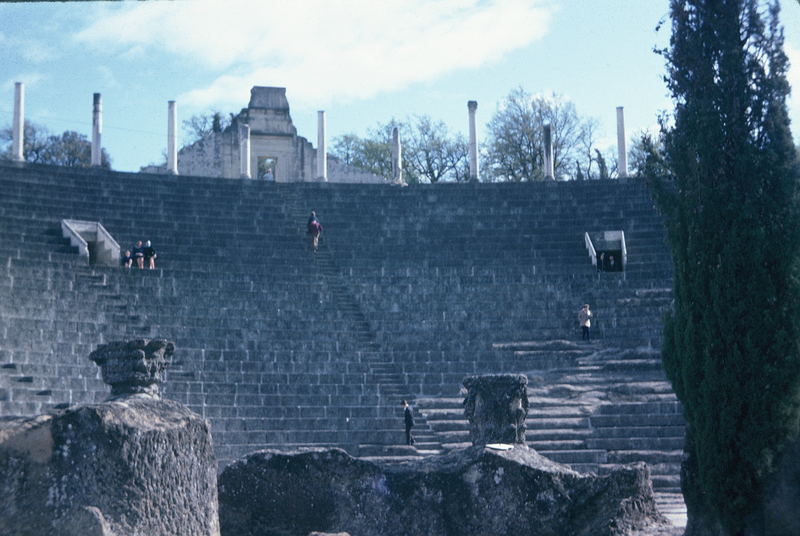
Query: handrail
{"points": [[589, 246], [75, 238], [81, 232], [107, 238], [624, 249]]}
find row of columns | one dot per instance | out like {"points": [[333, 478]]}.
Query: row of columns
{"points": [[322, 154], [472, 107], [18, 130]]}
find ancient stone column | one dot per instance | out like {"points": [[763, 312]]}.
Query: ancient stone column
{"points": [[397, 157], [322, 148], [623, 155], [134, 367], [244, 151], [97, 130], [549, 172], [472, 106], [496, 406], [172, 137], [19, 122]]}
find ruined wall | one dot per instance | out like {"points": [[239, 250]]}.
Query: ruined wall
{"points": [[272, 135], [210, 156]]}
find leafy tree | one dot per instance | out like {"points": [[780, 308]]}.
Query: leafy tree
{"points": [[732, 342], [646, 156], [34, 142], [515, 148], [69, 149], [346, 148], [372, 153]]}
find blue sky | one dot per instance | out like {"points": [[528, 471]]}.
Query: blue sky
{"points": [[362, 61]]}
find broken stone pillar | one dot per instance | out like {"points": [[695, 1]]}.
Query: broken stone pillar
{"points": [[19, 122], [397, 157], [134, 367], [549, 171], [623, 155], [244, 151], [97, 130], [472, 106], [322, 148], [172, 138], [496, 406]]}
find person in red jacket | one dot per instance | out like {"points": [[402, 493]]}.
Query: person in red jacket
{"points": [[314, 230]]}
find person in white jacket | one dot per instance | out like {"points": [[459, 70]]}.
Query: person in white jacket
{"points": [[585, 320]]}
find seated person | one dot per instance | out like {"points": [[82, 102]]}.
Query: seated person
{"points": [[127, 259], [138, 254], [150, 255]]}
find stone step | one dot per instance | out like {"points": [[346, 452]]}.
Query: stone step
{"points": [[583, 456], [655, 408], [641, 431], [635, 443], [651, 456], [634, 419]]}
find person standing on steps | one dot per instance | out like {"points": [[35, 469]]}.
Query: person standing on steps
{"points": [[408, 417], [314, 230], [585, 320]]}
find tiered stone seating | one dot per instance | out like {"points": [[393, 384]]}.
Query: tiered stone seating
{"points": [[277, 346]]}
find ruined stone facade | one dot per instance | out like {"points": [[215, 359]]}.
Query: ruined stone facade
{"points": [[277, 152]]}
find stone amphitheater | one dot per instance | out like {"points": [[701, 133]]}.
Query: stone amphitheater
{"points": [[413, 289]]}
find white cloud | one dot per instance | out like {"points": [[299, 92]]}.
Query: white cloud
{"points": [[29, 49], [107, 76], [318, 49]]}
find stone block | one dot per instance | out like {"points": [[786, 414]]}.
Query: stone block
{"points": [[53, 483], [472, 491]]}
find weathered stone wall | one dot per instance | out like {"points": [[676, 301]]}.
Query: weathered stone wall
{"points": [[338, 171], [211, 156]]}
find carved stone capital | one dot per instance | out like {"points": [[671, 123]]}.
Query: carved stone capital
{"points": [[134, 367], [496, 406]]}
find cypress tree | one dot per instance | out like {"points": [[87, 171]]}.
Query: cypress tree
{"points": [[731, 344]]}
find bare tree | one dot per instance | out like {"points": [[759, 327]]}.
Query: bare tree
{"points": [[430, 152], [433, 154], [199, 126], [515, 148]]}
